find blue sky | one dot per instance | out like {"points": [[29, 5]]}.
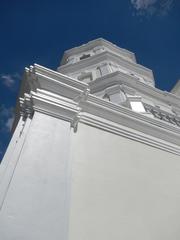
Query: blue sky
{"points": [[39, 31]]}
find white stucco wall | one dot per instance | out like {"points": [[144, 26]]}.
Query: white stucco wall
{"points": [[88, 185], [122, 189], [36, 198]]}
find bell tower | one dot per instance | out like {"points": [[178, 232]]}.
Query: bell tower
{"points": [[97, 61]]}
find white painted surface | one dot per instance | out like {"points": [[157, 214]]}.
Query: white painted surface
{"points": [[11, 159], [122, 189], [137, 106], [10, 150], [95, 47], [117, 188], [35, 206]]}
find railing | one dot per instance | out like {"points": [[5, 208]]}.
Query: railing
{"points": [[162, 115]]}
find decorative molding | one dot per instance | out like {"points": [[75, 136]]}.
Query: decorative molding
{"points": [[71, 101], [53, 81], [162, 115], [124, 131], [56, 106], [108, 56], [26, 109], [127, 117], [139, 88], [100, 42]]}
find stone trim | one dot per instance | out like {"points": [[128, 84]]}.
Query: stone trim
{"points": [[58, 98]]}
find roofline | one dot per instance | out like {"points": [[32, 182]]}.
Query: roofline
{"points": [[146, 72], [95, 42]]}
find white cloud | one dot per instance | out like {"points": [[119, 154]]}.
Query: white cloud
{"points": [[142, 4], [5, 111], [9, 80], [159, 7], [6, 118], [9, 123]]}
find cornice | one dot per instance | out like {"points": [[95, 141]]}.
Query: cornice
{"points": [[115, 119], [127, 132], [126, 117], [107, 56], [56, 106], [98, 42], [39, 77], [142, 88], [60, 98]]}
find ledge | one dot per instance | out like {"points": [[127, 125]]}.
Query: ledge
{"points": [[107, 56], [98, 42], [121, 78], [71, 101]]}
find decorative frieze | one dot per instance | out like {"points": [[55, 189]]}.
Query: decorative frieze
{"points": [[161, 115]]}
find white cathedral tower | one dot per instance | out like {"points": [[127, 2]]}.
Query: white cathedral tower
{"points": [[95, 152]]}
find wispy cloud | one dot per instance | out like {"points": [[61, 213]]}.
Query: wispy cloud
{"points": [[9, 80], [9, 123], [151, 7], [6, 118], [142, 4]]}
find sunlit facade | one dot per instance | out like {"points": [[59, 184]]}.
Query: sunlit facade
{"points": [[95, 152]]}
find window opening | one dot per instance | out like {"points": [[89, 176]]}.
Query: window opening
{"points": [[84, 56]]}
